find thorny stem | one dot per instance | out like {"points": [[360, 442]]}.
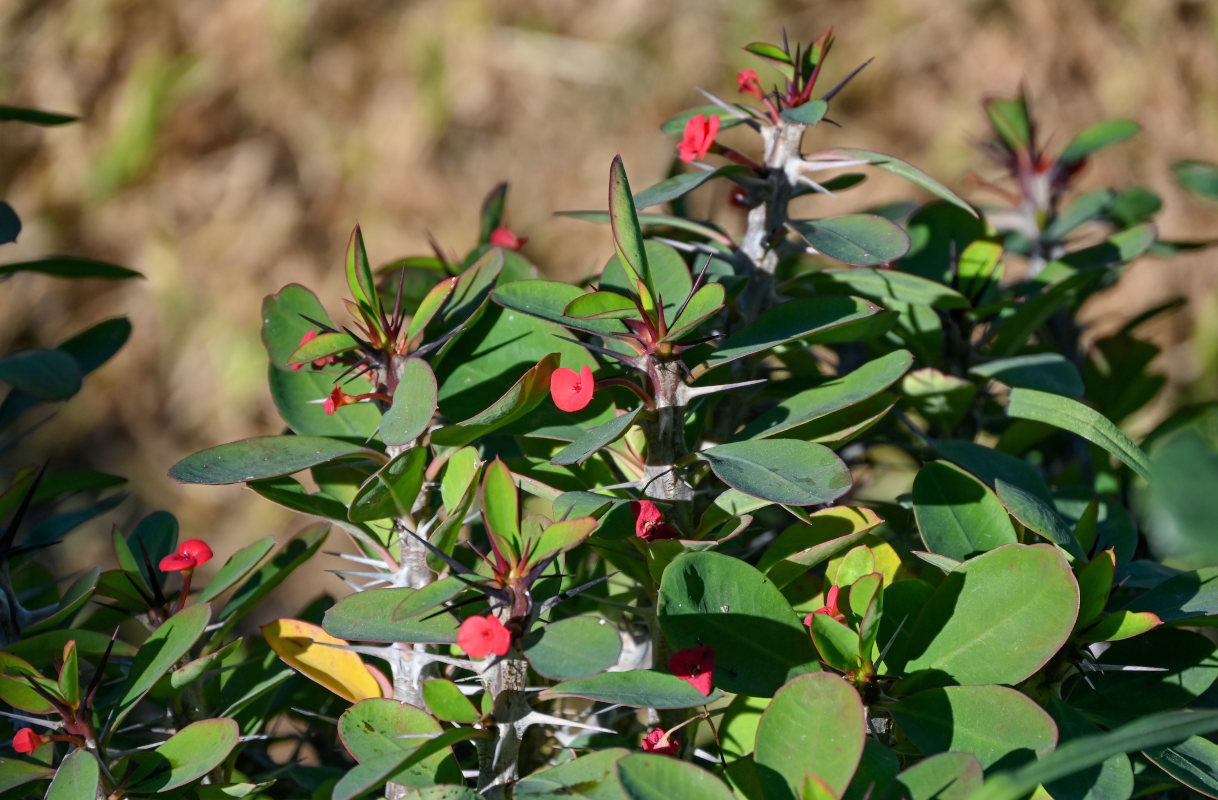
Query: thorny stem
{"points": [[665, 432], [498, 758]]}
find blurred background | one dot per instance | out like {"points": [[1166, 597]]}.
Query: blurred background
{"points": [[228, 147]]}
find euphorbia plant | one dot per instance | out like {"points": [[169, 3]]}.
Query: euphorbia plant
{"points": [[822, 486]]}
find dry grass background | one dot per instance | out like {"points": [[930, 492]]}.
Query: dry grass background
{"points": [[228, 146]]}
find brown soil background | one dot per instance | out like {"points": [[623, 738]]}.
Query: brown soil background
{"points": [[227, 147]]}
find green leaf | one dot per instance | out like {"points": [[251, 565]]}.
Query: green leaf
{"points": [[414, 404], [589, 777], [80, 591], [320, 346], [657, 777], [549, 300], [1096, 137], [860, 239], [1073, 416], [989, 464], [1000, 726], [299, 395], [1171, 668], [815, 725], [1079, 754], [640, 688], [833, 395], [627, 235], [446, 701], [70, 267], [374, 616], [14, 773], [523, 397], [380, 730], [680, 185], [806, 544], [392, 491], [997, 618], [1046, 372], [1198, 177], [945, 776], [957, 515], [1110, 780], [238, 565], [42, 373], [601, 305], [34, 116], [942, 398], [295, 552], [704, 304], [723, 603], [191, 753], [1193, 762], [1189, 595], [158, 654], [284, 321], [793, 320], [501, 506], [576, 647], [1009, 116], [809, 113], [261, 457], [769, 52], [359, 277], [785, 471], [899, 168], [1040, 518], [837, 644], [78, 777], [593, 439], [890, 284]]}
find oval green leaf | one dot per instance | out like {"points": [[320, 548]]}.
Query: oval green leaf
{"points": [[657, 777], [957, 515], [261, 457], [785, 471], [859, 239], [577, 647], [640, 688], [414, 404]]}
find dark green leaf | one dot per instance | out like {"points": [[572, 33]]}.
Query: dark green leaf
{"points": [[657, 777], [809, 113], [1047, 372], [33, 116], [10, 224], [78, 777], [576, 647], [414, 404], [42, 373], [70, 267], [238, 565], [890, 284], [593, 439], [1193, 762], [158, 654], [373, 616], [957, 515], [640, 688], [860, 239], [392, 491], [1096, 137], [899, 168], [680, 185], [787, 471], [1199, 177], [191, 753], [1075, 417], [1040, 518], [261, 457]]}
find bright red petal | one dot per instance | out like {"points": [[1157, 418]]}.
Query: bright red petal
{"points": [[572, 390], [695, 665], [196, 549], [176, 562], [472, 637], [26, 741]]}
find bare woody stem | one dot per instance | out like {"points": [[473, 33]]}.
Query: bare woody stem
{"points": [[499, 757], [665, 432]]}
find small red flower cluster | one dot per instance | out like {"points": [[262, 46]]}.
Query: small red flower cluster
{"points": [[572, 390], [503, 237], [191, 553], [747, 82], [830, 608], [696, 665], [481, 636], [309, 336], [337, 399], [649, 522], [658, 741], [699, 136], [26, 741]]}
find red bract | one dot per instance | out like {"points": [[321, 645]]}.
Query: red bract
{"points": [[308, 337], [747, 82], [649, 522], [830, 608], [695, 665], [191, 553], [503, 237], [337, 399], [481, 636], [572, 390], [26, 741], [699, 136], [657, 741]]}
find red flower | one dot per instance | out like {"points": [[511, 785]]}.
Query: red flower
{"points": [[572, 390], [191, 553], [649, 523], [696, 665], [337, 399], [26, 741], [830, 608], [502, 237], [699, 136], [658, 742], [747, 82], [481, 636]]}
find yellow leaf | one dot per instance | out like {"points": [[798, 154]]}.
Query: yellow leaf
{"points": [[313, 653]]}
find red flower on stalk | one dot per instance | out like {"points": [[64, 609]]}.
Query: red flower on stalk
{"points": [[481, 636], [657, 741], [503, 237], [191, 553], [830, 608], [695, 665], [747, 82], [26, 741], [337, 399], [572, 390], [699, 136], [649, 522]]}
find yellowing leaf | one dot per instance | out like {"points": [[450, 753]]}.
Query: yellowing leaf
{"points": [[320, 657]]}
